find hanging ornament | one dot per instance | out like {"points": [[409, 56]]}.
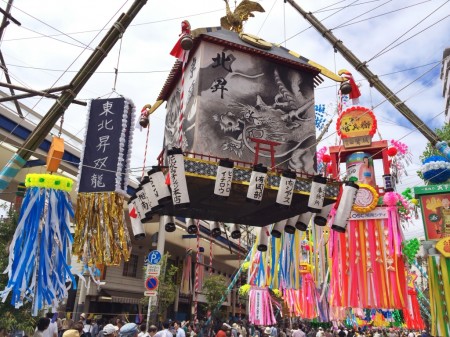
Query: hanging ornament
{"points": [[286, 188], [290, 224], [345, 206], [263, 239], [101, 234], [169, 223], [191, 226], [392, 151], [256, 185], [144, 121], [158, 186], [39, 253], [178, 184], [278, 229], [135, 218], [214, 228], [303, 221], [235, 231], [321, 218], [317, 194], [388, 183], [144, 203], [148, 188], [224, 178]]}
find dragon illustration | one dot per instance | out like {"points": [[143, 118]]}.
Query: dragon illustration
{"points": [[234, 20], [286, 121]]}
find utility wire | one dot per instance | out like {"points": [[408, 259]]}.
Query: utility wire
{"points": [[385, 49]]}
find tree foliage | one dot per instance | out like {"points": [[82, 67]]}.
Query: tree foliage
{"points": [[11, 318], [214, 288]]}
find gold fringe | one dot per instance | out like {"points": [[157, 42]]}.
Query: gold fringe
{"points": [[101, 233]]}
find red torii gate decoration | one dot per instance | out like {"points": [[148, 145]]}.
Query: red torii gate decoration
{"points": [[271, 149]]}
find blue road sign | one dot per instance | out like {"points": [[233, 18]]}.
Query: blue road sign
{"points": [[151, 283], [154, 257]]}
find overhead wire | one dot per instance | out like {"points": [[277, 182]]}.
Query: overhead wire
{"points": [[385, 49]]}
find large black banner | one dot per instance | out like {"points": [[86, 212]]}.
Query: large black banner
{"points": [[104, 163]]}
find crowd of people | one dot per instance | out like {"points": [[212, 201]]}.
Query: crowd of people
{"points": [[52, 326]]}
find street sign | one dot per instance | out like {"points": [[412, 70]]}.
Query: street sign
{"points": [[154, 257], [151, 293], [151, 283], [153, 269]]}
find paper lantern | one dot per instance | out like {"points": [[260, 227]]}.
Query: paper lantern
{"points": [[235, 231], [286, 188], [388, 183], [144, 203], [345, 206], [191, 226], [148, 189], [317, 194], [290, 224], [136, 224], [214, 228], [256, 185], [169, 223], [178, 184], [224, 177], [303, 221], [392, 151], [320, 219], [278, 229], [263, 239], [158, 185]]}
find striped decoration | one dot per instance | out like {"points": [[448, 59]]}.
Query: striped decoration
{"points": [[181, 117], [11, 170]]}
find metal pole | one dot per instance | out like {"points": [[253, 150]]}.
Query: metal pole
{"points": [[67, 96], [371, 77]]}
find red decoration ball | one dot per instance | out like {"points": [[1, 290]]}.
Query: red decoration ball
{"points": [[329, 170], [326, 158], [392, 151]]}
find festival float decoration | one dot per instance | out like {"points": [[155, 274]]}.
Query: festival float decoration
{"points": [[101, 234], [40, 251], [246, 152], [435, 207]]}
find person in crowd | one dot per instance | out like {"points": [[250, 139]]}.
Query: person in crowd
{"points": [[143, 330], [152, 329], [52, 330], [179, 332], [223, 330], [296, 331], [267, 331], [83, 318], [71, 333], [87, 329], [165, 332], [274, 331], [234, 330], [42, 325], [191, 331], [79, 327], [108, 330], [129, 330], [66, 324], [320, 332]]}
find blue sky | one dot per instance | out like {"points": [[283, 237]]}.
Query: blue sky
{"points": [[36, 61]]}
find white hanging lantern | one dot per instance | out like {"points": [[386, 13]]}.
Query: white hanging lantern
{"points": [[278, 228], [214, 228], [235, 231], [286, 189], [136, 224], [178, 184], [169, 223], [290, 225], [257, 182], [345, 206], [317, 194], [224, 178], [148, 190], [263, 239], [191, 227], [143, 204], [321, 218], [388, 183], [303, 221], [158, 185]]}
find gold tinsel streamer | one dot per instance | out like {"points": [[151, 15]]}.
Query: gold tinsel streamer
{"points": [[101, 234]]}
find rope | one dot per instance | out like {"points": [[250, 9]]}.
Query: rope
{"points": [[116, 69], [145, 152], [197, 266], [181, 117]]}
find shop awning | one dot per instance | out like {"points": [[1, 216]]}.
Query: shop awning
{"points": [[115, 296]]}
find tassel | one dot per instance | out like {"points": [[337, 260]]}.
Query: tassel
{"points": [[38, 267]]}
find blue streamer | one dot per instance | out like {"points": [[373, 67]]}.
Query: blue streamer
{"points": [[38, 268]]}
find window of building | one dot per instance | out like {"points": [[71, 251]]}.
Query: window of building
{"points": [[130, 268]]}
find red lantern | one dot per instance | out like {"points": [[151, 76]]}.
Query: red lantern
{"points": [[392, 151], [326, 158]]}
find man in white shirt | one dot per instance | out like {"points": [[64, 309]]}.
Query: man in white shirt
{"points": [[52, 330], [179, 330], [296, 332], [320, 332], [165, 332]]}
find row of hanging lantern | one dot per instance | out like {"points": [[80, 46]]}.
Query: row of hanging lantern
{"points": [[319, 214]]}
